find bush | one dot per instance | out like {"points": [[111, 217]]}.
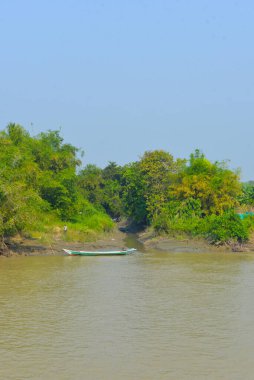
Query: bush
{"points": [[166, 224], [227, 227], [218, 229]]}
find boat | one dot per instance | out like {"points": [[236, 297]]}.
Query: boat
{"points": [[71, 252]]}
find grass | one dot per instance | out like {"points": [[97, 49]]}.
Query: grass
{"points": [[46, 227]]}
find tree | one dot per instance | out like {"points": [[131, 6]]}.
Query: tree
{"points": [[246, 198], [159, 171], [112, 176], [213, 184], [90, 183], [134, 202], [112, 172]]}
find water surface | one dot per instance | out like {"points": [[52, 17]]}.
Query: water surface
{"points": [[143, 316]]}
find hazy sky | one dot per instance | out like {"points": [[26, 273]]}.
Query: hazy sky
{"points": [[121, 77]]}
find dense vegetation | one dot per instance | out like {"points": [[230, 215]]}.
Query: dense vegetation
{"points": [[43, 187], [39, 190]]}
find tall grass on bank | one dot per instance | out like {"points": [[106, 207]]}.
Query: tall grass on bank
{"points": [[46, 227]]}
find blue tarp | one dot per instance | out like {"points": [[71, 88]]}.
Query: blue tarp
{"points": [[244, 215]]}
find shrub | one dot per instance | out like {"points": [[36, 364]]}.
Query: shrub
{"points": [[218, 229], [227, 227]]}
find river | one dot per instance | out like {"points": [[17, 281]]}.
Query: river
{"points": [[139, 317]]}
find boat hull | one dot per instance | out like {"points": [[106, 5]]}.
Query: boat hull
{"points": [[99, 253]]}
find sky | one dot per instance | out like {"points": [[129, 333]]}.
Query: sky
{"points": [[120, 77]]}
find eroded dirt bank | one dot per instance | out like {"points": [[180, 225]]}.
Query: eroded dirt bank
{"points": [[171, 244]]}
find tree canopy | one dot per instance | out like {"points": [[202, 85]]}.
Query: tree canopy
{"points": [[42, 176]]}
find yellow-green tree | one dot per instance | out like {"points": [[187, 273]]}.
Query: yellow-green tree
{"points": [[159, 171], [213, 184]]}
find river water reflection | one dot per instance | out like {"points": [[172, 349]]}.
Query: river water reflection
{"points": [[140, 317]]}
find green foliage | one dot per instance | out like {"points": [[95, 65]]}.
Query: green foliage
{"points": [[202, 202], [246, 198], [19, 207], [134, 202], [227, 227], [90, 183], [217, 229], [182, 225], [40, 188], [213, 184], [158, 171], [103, 187], [16, 133], [39, 184], [111, 200], [112, 172], [112, 189]]}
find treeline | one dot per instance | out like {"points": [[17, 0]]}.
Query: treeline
{"points": [[42, 185], [194, 196], [39, 187]]}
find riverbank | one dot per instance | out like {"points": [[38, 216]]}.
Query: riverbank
{"points": [[166, 243], [20, 246], [116, 239]]}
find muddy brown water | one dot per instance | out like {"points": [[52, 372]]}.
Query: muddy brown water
{"points": [[144, 316]]}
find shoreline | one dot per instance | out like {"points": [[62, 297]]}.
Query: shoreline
{"points": [[166, 243], [117, 240], [34, 247]]}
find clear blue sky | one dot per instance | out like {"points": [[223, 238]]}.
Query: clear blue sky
{"points": [[124, 76]]}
